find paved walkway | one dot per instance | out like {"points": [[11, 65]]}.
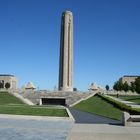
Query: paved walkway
{"points": [[85, 117], [103, 132], [31, 129]]}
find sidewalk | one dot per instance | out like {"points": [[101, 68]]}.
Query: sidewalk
{"points": [[34, 129], [103, 132]]}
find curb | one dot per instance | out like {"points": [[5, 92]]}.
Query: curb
{"points": [[37, 118], [70, 115]]}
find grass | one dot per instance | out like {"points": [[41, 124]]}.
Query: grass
{"points": [[12, 105], [6, 98], [120, 105], [32, 110], [99, 106], [131, 98]]}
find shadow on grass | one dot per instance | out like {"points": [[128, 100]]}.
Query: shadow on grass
{"points": [[133, 99]]}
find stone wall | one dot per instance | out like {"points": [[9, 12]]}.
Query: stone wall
{"points": [[71, 97], [113, 92]]}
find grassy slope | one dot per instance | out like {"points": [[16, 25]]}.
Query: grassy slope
{"points": [[6, 98], [98, 106], [11, 105]]}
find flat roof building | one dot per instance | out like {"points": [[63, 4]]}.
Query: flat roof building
{"points": [[129, 78], [8, 78]]}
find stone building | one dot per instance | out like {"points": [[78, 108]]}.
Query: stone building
{"points": [[7, 78], [128, 79]]}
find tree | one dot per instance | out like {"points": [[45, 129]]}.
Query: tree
{"points": [[118, 85], [107, 87], [115, 86], [74, 89], [126, 87], [7, 85], [133, 87], [137, 84], [1, 85]]}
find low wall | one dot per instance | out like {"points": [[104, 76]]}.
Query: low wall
{"points": [[113, 92], [130, 120]]}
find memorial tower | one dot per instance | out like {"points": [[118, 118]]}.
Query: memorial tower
{"points": [[66, 53]]}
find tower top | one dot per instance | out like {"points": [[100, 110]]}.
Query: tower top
{"points": [[67, 12]]}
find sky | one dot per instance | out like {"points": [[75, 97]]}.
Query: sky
{"points": [[106, 40]]}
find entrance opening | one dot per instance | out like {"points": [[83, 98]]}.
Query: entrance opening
{"points": [[53, 101]]}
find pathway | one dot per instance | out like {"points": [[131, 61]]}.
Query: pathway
{"points": [[103, 132], [85, 117], [31, 129]]}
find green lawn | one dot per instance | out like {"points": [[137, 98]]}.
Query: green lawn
{"points": [[12, 105], [98, 106], [32, 110], [132, 98]]}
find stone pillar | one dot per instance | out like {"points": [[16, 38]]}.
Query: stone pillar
{"points": [[66, 53]]}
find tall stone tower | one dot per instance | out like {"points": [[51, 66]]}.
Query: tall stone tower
{"points": [[66, 53]]}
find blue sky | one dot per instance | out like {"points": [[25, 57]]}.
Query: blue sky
{"points": [[106, 40]]}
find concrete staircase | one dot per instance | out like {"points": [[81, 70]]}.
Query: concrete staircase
{"points": [[71, 97]]}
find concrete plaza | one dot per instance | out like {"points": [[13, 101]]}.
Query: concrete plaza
{"points": [[35, 128], [49, 128], [103, 132]]}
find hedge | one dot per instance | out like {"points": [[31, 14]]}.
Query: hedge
{"points": [[121, 106]]}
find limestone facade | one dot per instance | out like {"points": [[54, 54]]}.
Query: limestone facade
{"points": [[128, 79], [66, 53], [6, 78]]}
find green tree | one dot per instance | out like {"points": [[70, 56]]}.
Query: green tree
{"points": [[133, 87], [118, 85], [107, 87], [74, 89], [1, 85], [126, 87], [115, 86], [7, 85], [137, 84]]}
